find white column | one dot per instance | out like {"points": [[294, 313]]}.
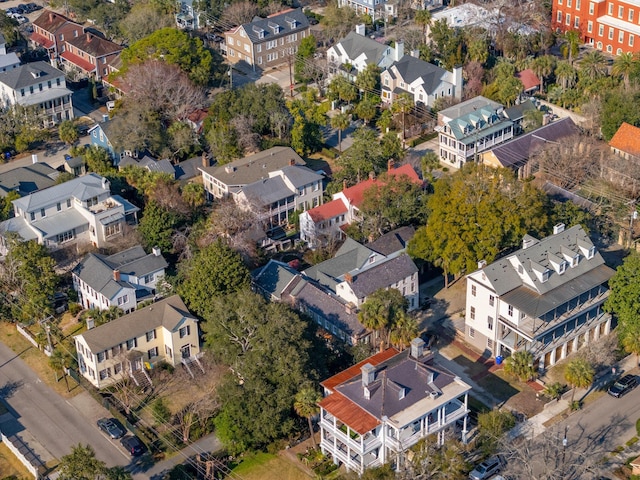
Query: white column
{"points": [[564, 351], [607, 327], [576, 343], [596, 332], [552, 357], [464, 422]]}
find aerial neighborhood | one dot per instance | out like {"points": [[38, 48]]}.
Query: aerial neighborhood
{"points": [[334, 239]]}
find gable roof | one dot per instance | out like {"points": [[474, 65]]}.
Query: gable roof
{"points": [[355, 45], [528, 78], [393, 241], [466, 107], [516, 153], [30, 74], [274, 277], [355, 194], [627, 139], [51, 21], [288, 21], [169, 313], [82, 188], [29, 179], [94, 45], [412, 68], [382, 275], [327, 210]]}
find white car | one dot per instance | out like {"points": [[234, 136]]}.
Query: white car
{"points": [[21, 19]]}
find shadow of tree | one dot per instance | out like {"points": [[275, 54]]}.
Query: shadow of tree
{"points": [[9, 388]]}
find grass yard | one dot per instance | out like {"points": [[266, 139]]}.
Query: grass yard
{"points": [[37, 361], [266, 466], [10, 465], [501, 388]]}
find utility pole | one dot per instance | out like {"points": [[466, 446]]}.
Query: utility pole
{"points": [[290, 61]]}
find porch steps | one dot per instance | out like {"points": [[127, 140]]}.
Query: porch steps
{"points": [[141, 379]]}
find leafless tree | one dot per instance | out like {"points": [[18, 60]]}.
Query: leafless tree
{"points": [[240, 12], [473, 75], [280, 123], [248, 140], [166, 193]]}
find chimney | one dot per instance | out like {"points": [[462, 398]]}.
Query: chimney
{"points": [[91, 323], [105, 117], [559, 228], [482, 263], [361, 29], [292, 162], [398, 51], [156, 251], [205, 159], [88, 37], [417, 348], [116, 275], [457, 82], [368, 374], [344, 184], [105, 184], [350, 308], [391, 164], [348, 277], [51, 16]]}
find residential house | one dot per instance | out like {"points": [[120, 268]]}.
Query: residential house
{"points": [[188, 16], [530, 81], [196, 120], [89, 55], [38, 85], [99, 136], [376, 9], [610, 26], [516, 153], [546, 298], [74, 165], [423, 81], [29, 179], [356, 271], [635, 466], [148, 163], [465, 16], [426, 4], [122, 280], [82, 210], [376, 410], [267, 42], [8, 61], [463, 138], [325, 221], [626, 142], [517, 114], [351, 55], [51, 30], [163, 332]]}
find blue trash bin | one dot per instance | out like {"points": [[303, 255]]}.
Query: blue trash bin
{"points": [[499, 360]]}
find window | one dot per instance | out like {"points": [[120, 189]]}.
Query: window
{"points": [[246, 48], [117, 368], [123, 299], [152, 352], [631, 14], [115, 351], [590, 26], [473, 290], [61, 36], [489, 344], [65, 237], [569, 3], [58, 82], [576, 22], [631, 39], [58, 206], [258, 48], [568, 19], [592, 252], [610, 33], [490, 323], [472, 313], [43, 212], [167, 350], [232, 52], [22, 92], [559, 2], [472, 332], [610, 9], [559, 17], [33, 216], [106, 373], [621, 36], [184, 331], [100, 357], [151, 335], [510, 310], [242, 34], [620, 11], [491, 300], [272, 44], [577, 4], [601, 31], [591, 8], [230, 40], [148, 278], [609, 48], [131, 344], [112, 229]]}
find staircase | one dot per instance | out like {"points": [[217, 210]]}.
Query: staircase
{"points": [[141, 378]]}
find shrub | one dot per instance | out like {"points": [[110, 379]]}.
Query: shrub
{"points": [[575, 405], [74, 308], [632, 441], [638, 427], [329, 153]]}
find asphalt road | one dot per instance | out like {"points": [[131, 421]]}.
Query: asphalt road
{"points": [[47, 416]]}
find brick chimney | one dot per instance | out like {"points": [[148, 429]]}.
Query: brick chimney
{"points": [[292, 162], [344, 184], [116, 275], [348, 277], [372, 175], [88, 37], [51, 16], [205, 159]]}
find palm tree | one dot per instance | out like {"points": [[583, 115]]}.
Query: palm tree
{"points": [[520, 365], [306, 405], [565, 74], [340, 121], [381, 312], [593, 65], [631, 342], [402, 104], [579, 374], [403, 331], [623, 66], [423, 18], [553, 390], [570, 47], [58, 362], [543, 66]]}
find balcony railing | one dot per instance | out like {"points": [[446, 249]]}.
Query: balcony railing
{"points": [[359, 444]]}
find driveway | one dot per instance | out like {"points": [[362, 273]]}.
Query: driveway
{"points": [[54, 422]]}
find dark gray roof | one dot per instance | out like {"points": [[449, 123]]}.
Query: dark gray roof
{"points": [[188, 169], [287, 22], [355, 45], [393, 241], [412, 68], [517, 152], [74, 162], [29, 74], [254, 167], [517, 112], [299, 176], [169, 313], [349, 257], [273, 278], [383, 275], [151, 164], [562, 195], [418, 377], [266, 191], [29, 179]]}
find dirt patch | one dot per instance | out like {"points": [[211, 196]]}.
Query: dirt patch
{"points": [[526, 401]]}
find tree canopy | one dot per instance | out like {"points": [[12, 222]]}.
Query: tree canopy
{"points": [[82, 464]]}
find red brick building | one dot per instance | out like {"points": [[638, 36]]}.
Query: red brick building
{"points": [[612, 26]]}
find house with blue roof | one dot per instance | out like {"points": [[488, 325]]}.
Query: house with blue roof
{"points": [[80, 211]]}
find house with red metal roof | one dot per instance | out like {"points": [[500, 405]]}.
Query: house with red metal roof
{"points": [[374, 411], [530, 81], [325, 221], [626, 142], [90, 55], [51, 30]]}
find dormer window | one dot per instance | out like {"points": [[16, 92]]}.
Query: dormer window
{"points": [[574, 261], [291, 21], [274, 27], [591, 253], [258, 31], [562, 267], [545, 275], [401, 393]]}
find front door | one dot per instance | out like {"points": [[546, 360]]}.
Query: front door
{"points": [[186, 351]]}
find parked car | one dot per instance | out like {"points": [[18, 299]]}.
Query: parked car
{"points": [[133, 445], [312, 20], [623, 386], [33, 6], [21, 19], [486, 469], [111, 427]]}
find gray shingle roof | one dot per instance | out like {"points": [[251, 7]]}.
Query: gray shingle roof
{"points": [[266, 191], [254, 167], [349, 257], [29, 74], [168, 313], [273, 278], [355, 45], [383, 275], [288, 22], [83, 188], [393, 241], [29, 179], [481, 121], [299, 176], [411, 68]]}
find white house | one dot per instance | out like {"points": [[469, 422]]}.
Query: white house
{"points": [[82, 210], [128, 346], [423, 81], [121, 280], [376, 410], [8, 61], [38, 85], [545, 298]]}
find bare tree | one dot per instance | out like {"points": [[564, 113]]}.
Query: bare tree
{"points": [[240, 12], [248, 140]]}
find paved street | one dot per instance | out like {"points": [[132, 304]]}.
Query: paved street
{"points": [[55, 423]]}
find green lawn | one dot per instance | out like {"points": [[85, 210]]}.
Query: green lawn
{"points": [[266, 466]]}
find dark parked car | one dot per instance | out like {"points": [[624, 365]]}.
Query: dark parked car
{"points": [[133, 445], [33, 6], [111, 427], [312, 20], [486, 469], [623, 386]]}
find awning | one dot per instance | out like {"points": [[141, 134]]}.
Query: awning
{"points": [[78, 61], [42, 40]]}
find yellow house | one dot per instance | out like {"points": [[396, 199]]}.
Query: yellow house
{"points": [[128, 346]]}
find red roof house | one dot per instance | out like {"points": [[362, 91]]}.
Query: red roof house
{"points": [[626, 141], [51, 30], [529, 80]]}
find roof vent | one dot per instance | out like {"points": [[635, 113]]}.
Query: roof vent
{"points": [[229, 168], [559, 228], [433, 395]]}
